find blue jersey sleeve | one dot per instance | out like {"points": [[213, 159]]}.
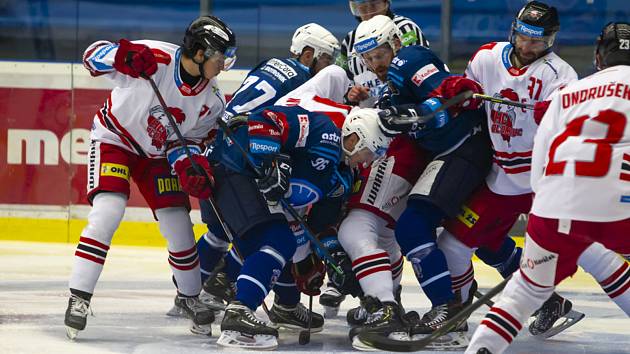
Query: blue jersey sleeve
{"points": [[413, 74], [267, 83]]}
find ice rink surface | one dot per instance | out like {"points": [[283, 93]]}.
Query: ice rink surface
{"points": [[135, 292]]}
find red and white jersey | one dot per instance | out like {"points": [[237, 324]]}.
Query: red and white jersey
{"points": [[581, 161], [322, 93], [132, 116], [512, 129]]}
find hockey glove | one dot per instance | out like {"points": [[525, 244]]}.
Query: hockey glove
{"points": [[274, 184], [309, 275], [539, 110], [398, 119], [454, 85], [192, 182], [346, 283], [134, 59]]}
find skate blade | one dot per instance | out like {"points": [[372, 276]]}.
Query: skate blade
{"points": [[570, 318], [205, 330], [72, 333], [448, 342], [358, 344], [233, 339], [330, 312]]}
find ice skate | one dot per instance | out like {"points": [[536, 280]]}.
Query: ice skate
{"points": [[330, 299], [76, 315], [241, 329], [217, 291], [294, 318], [455, 339], [555, 308], [357, 316], [382, 319], [200, 314]]}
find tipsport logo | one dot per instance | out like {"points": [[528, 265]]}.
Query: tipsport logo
{"points": [[366, 45], [529, 30]]}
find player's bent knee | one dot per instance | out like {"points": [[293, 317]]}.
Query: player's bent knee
{"points": [[107, 212]]}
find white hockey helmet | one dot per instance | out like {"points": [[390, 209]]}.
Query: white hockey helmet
{"points": [[368, 8], [375, 32], [371, 143], [316, 37]]}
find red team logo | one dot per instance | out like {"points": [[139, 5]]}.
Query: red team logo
{"points": [[504, 117], [158, 127]]}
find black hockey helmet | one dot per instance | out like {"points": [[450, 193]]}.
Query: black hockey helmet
{"points": [[212, 35], [538, 21], [613, 45]]}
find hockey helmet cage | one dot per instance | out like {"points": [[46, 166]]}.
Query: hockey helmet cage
{"points": [[613, 45], [369, 7]]}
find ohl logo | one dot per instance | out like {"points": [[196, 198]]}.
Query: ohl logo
{"points": [[503, 117]]}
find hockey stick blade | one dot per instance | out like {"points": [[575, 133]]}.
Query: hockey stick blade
{"points": [[502, 101], [385, 343]]}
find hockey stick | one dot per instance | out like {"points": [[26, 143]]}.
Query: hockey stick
{"points": [[296, 216], [384, 343], [502, 101], [305, 336], [199, 170]]}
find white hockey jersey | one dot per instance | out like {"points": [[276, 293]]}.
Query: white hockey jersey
{"points": [[581, 160], [132, 116], [512, 129]]}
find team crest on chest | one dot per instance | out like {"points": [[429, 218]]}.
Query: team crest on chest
{"points": [[158, 127], [503, 117]]}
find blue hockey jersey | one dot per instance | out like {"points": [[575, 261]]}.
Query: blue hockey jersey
{"points": [[312, 140], [413, 74], [265, 84]]}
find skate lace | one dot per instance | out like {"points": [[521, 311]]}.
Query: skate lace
{"points": [[79, 306], [301, 312], [374, 317], [251, 317], [360, 313], [437, 315]]}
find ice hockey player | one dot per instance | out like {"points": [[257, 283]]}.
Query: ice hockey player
{"points": [[368, 86], [525, 70], [457, 146], [131, 138], [580, 175], [296, 153], [312, 48], [366, 233]]}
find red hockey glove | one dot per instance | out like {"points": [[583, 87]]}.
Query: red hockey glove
{"points": [[454, 85], [539, 110], [134, 59], [192, 183], [309, 275]]}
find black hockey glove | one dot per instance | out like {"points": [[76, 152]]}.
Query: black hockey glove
{"points": [[276, 171], [346, 283], [398, 119]]}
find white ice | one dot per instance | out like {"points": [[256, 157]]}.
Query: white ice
{"points": [[135, 292]]}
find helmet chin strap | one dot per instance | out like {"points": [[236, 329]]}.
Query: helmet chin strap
{"points": [[311, 69], [201, 65]]}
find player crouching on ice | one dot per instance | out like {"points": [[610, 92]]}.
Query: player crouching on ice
{"points": [[296, 154], [580, 176], [131, 138]]}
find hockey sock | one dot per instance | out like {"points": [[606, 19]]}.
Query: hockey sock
{"points": [[397, 271], [505, 319], [374, 273], [285, 288], [176, 227], [210, 249], [612, 273], [458, 256], [415, 233], [103, 220], [233, 265], [81, 294], [505, 260], [462, 283], [262, 268]]}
